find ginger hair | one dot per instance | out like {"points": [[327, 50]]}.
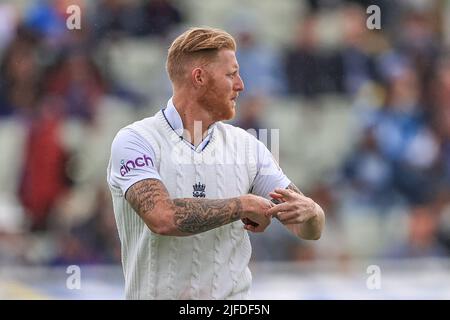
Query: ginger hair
{"points": [[195, 47]]}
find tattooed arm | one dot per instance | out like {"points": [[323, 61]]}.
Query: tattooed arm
{"points": [[188, 216], [300, 214]]}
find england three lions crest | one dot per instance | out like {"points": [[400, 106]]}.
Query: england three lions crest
{"points": [[199, 190]]}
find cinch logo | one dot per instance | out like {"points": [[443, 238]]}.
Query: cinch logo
{"points": [[138, 162]]}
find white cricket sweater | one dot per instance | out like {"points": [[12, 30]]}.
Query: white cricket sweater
{"points": [[209, 265]]}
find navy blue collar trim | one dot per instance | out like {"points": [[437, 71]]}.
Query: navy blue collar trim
{"points": [[181, 137]]}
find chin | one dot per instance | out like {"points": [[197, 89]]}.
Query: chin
{"points": [[230, 114]]}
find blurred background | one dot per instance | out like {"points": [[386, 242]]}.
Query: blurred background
{"points": [[364, 120]]}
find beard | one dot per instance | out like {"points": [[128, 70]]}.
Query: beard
{"points": [[216, 103]]}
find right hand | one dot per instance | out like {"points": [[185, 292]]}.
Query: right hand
{"points": [[254, 213]]}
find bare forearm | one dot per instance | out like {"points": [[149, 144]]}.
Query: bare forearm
{"points": [[193, 216], [311, 229], [181, 217]]}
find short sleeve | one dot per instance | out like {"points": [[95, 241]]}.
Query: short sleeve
{"points": [[132, 160], [269, 175]]}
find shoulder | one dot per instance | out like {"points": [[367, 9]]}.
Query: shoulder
{"points": [[143, 124], [137, 129], [125, 134], [126, 139], [134, 133]]}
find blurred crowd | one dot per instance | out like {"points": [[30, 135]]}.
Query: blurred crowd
{"points": [[397, 82]]}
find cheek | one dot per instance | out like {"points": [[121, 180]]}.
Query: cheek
{"points": [[220, 90], [230, 85], [227, 89]]}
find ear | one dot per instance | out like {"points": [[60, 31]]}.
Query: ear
{"points": [[198, 76]]}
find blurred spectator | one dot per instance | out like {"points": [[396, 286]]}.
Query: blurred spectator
{"points": [[118, 18], [260, 65], [99, 232], [398, 153], [418, 40], [353, 66], [444, 221], [303, 64], [20, 74], [78, 81], [162, 16], [251, 111], [46, 18], [92, 241], [422, 236], [9, 18], [44, 178], [440, 86], [369, 174], [406, 140], [440, 114]]}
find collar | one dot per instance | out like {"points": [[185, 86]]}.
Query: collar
{"points": [[173, 118]]}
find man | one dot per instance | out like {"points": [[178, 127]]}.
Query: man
{"points": [[187, 187]]}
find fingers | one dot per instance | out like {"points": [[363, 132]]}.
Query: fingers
{"points": [[285, 192], [276, 198], [257, 227], [247, 221], [265, 203], [273, 194], [283, 195], [276, 201], [272, 203], [294, 217], [286, 216], [278, 208]]}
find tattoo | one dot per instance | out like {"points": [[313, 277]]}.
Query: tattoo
{"points": [[143, 195], [190, 215], [293, 187], [199, 215]]}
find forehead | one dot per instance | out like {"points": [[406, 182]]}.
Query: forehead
{"points": [[227, 58]]}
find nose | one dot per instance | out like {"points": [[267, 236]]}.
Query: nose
{"points": [[239, 84]]}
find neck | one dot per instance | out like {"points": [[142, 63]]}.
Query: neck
{"points": [[196, 120]]}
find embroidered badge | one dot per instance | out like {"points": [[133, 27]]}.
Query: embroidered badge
{"points": [[199, 190]]}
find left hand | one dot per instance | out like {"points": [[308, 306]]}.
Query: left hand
{"points": [[252, 226], [294, 209], [254, 217]]}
